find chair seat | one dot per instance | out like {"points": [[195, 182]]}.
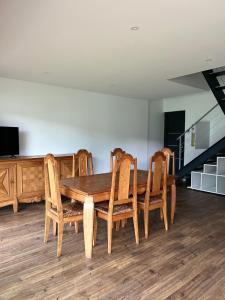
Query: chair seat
{"points": [[72, 209], [118, 209], [153, 200]]}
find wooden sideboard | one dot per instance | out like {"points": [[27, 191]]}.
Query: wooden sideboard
{"points": [[22, 178]]}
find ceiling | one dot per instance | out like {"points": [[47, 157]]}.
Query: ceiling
{"points": [[88, 44]]}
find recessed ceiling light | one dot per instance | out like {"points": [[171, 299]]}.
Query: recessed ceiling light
{"points": [[134, 28]]}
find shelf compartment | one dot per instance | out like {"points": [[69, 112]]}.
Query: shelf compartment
{"points": [[196, 178], [221, 184], [220, 165], [210, 168], [209, 182]]}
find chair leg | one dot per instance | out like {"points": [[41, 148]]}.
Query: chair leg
{"points": [[73, 201], [54, 228], [117, 225], [173, 202], [76, 227], [109, 227], [95, 230], [47, 227], [146, 217], [60, 237], [165, 216], [161, 214], [136, 231]]}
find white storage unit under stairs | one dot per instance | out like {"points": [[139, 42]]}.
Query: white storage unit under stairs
{"points": [[211, 179]]}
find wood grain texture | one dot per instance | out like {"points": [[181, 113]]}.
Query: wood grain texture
{"points": [[171, 180], [98, 188], [65, 167], [156, 190], [30, 181], [8, 185], [116, 154], [54, 210], [82, 163], [83, 166], [123, 202], [187, 262], [99, 183], [88, 223], [22, 178]]}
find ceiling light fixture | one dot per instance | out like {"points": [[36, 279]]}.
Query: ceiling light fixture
{"points": [[134, 28], [208, 59]]}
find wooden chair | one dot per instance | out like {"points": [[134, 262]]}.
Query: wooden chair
{"points": [[121, 204], [171, 180], [116, 154], [82, 166], [54, 210], [155, 196], [82, 163]]}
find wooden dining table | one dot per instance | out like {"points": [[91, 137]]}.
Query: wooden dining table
{"points": [[90, 190]]}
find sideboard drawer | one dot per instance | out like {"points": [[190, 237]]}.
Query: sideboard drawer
{"points": [[30, 181]]}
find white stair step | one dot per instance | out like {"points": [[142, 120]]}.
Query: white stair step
{"points": [[210, 168], [209, 182], [221, 165], [211, 179]]}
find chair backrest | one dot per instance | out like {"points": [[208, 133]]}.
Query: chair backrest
{"points": [[170, 160], [116, 154], [82, 163], [121, 175], [52, 188], [157, 175]]}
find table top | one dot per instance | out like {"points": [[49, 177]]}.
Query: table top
{"points": [[98, 183]]}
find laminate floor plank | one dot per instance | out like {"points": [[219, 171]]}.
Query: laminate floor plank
{"points": [[187, 262]]}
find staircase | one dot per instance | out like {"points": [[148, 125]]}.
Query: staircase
{"points": [[215, 80], [210, 156], [205, 164]]}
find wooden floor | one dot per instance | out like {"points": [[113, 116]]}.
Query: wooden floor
{"points": [[188, 262]]}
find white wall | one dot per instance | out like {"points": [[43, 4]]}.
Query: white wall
{"points": [[62, 120], [195, 106], [156, 126]]}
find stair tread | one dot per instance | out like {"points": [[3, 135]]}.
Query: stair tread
{"points": [[217, 74], [210, 173], [209, 156], [220, 87]]}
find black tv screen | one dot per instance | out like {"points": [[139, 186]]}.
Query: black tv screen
{"points": [[9, 141]]}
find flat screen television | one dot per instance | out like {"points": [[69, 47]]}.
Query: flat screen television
{"points": [[9, 141]]}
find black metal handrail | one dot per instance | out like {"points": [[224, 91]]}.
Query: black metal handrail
{"points": [[198, 121]]}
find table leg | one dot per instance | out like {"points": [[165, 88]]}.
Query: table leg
{"points": [[88, 225]]}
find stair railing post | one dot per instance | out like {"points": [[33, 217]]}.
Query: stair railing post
{"points": [[180, 149]]}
